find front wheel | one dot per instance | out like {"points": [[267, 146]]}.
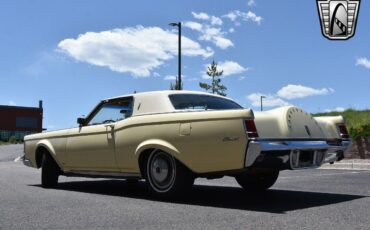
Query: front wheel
{"points": [[49, 172], [256, 182], [167, 177]]}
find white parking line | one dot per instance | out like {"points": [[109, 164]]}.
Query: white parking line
{"points": [[17, 159], [327, 174]]}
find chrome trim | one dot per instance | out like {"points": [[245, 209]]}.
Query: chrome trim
{"points": [[254, 150], [102, 174], [26, 161], [255, 147]]}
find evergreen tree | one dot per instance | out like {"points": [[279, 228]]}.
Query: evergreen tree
{"points": [[216, 87], [175, 86]]}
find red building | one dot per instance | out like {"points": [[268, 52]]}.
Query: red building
{"points": [[19, 121]]}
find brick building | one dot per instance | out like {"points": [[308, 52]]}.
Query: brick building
{"points": [[19, 121]]}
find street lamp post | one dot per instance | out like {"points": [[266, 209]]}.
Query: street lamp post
{"points": [[179, 62], [261, 102]]}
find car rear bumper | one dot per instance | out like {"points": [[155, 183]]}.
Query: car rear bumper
{"points": [[293, 154]]}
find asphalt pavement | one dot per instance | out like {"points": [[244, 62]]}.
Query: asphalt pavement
{"points": [[303, 199]]}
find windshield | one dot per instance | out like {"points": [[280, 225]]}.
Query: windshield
{"points": [[201, 102]]}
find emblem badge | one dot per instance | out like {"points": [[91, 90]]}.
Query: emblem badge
{"points": [[338, 18]]}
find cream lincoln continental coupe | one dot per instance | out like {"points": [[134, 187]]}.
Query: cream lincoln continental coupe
{"points": [[169, 138]]}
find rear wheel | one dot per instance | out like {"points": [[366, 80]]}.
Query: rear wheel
{"points": [[255, 182], [49, 172], [167, 177]]}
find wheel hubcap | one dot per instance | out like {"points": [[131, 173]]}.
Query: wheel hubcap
{"points": [[161, 169]]}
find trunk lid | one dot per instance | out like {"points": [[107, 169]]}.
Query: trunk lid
{"points": [[287, 122]]}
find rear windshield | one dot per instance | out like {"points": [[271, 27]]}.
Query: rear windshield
{"points": [[201, 102]]}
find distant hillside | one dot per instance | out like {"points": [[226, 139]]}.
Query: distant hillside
{"points": [[358, 121]]}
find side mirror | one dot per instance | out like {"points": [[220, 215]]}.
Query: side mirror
{"points": [[81, 121]]}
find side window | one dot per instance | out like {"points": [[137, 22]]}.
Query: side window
{"points": [[112, 112]]}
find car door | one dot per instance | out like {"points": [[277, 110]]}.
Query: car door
{"points": [[92, 146]]}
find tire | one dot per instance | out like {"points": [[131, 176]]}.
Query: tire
{"points": [[166, 177], [257, 182], [49, 172]]}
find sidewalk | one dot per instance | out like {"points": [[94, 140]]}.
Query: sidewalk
{"points": [[350, 164]]}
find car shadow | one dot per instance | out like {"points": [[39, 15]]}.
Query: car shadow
{"points": [[272, 201]]}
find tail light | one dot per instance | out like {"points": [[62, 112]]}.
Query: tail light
{"points": [[251, 129], [343, 131]]}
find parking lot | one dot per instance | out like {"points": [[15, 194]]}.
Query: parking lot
{"points": [[307, 199]]}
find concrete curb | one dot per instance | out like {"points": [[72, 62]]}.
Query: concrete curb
{"points": [[355, 164]]}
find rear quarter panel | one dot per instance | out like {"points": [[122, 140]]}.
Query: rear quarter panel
{"points": [[329, 125], [194, 138]]}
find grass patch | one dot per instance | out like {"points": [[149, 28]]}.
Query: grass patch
{"points": [[4, 143]]}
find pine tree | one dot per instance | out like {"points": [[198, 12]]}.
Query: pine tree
{"points": [[175, 86], [216, 87]]}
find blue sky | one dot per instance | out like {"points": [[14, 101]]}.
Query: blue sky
{"points": [[71, 54]]}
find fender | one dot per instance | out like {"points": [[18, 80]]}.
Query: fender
{"points": [[162, 145], [47, 145], [157, 144]]}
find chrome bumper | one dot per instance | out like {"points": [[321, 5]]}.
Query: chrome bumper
{"points": [[26, 161], [286, 152]]}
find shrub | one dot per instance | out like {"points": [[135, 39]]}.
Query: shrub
{"points": [[360, 131], [13, 140]]}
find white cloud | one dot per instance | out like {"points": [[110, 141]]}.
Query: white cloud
{"points": [[249, 16], [216, 21], [300, 91], [251, 3], [193, 25], [222, 42], [136, 50], [338, 109], [253, 17], [210, 31], [169, 78], [229, 68], [212, 34], [201, 16], [288, 92], [241, 78], [231, 30], [155, 74], [12, 103], [268, 101], [364, 62], [231, 15]]}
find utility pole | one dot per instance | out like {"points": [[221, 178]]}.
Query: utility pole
{"points": [[261, 102], [179, 55]]}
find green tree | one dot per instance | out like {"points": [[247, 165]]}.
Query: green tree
{"points": [[215, 87], [13, 140], [175, 86]]}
